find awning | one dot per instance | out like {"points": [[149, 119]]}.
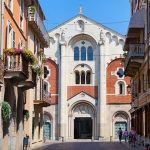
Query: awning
{"points": [[137, 22], [138, 19]]}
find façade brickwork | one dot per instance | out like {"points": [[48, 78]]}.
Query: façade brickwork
{"points": [[53, 80], [112, 78], [74, 90]]}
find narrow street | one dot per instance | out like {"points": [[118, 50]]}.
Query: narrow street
{"points": [[89, 146]]}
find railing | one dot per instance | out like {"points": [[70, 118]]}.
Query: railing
{"points": [[17, 63], [32, 75], [34, 16], [43, 95], [135, 50], [46, 96]]}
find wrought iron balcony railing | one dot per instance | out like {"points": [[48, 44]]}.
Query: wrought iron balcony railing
{"points": [[134, 58], [16, 66]]}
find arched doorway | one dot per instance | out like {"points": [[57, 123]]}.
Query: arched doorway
{"points": [[120, 120], [47, 127], [82, 121]]}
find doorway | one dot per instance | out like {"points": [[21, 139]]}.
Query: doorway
{"points": [[83, 128], [122, 125]]}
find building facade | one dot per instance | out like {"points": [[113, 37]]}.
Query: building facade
{"points": [[24, 38], [137, 66], [37, 97], [93, 101]]}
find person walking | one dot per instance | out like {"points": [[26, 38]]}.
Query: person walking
{"points": [[120, 134], [125, 135], [133, 134]]}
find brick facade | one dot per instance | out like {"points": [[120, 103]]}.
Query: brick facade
{"points": [[74, 90], [112, 78], [53, 80]]}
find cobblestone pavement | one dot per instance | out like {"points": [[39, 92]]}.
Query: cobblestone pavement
{"points": [[89, 146]]}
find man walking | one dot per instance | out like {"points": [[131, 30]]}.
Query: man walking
{"points": [[120, 134]]}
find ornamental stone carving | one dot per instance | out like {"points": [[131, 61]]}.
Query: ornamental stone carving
{"points": [[83, 109]]}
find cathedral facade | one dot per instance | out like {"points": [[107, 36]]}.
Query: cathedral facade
{"points": [[85, 76]]}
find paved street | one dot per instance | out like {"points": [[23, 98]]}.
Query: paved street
{"points": [[89, 146]]}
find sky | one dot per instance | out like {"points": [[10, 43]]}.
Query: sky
{"points": [[114, 14]]}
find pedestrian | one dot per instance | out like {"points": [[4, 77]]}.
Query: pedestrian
{"points": [[133, 136], [120, 134], [125, 135], [25, 142]]}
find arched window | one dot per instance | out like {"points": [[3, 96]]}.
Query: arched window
{"points": [[82, 77], [77, 77], [90, 53], [76, 53], [121, 88], [83, 53], [88, 77]]}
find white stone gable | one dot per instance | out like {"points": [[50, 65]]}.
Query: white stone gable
{"points": [[82, 97]]}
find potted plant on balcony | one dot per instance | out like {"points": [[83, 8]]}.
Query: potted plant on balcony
{"points": [[26, 114], [28, 55], [44, 59], [6, 111], [37, 69], [32, 9], [9, 51]]}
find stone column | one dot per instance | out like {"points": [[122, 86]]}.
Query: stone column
{"points": [[102, 91], [63, 90]]}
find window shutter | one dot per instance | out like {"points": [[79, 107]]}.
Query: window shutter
{"points": [[14, 39]]}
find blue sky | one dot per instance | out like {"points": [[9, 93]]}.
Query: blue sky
{"points": [[114, 14]]}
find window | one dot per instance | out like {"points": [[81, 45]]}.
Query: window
{"points": [[14, 39], [121, 88], [83, 53], [82, 77], [45, 88], [88, 77], [77, 77], [46, 72], [21, 13], [120, 73], [11, 36], [90, 53], [76, 53]]}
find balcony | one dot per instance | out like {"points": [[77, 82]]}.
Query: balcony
{"points": [[134, 59], [136, 26], [37, 25], [30, 82], [1, 71], [16, 67], [44, 99]]}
